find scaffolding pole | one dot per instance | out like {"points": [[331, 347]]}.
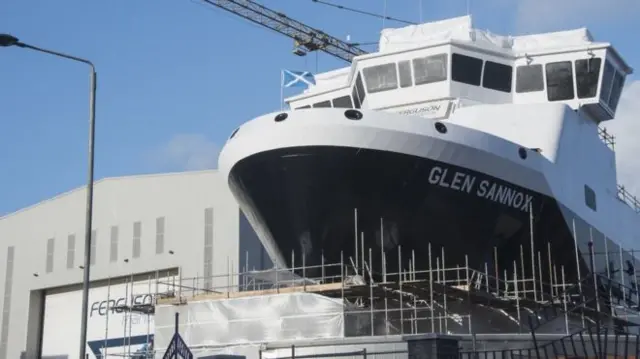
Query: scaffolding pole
{"points": [[355, 211], [533, 259], [382, 255]]}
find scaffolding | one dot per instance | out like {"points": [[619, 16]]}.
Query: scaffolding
{"points": [[519, 292], [438, 299]]}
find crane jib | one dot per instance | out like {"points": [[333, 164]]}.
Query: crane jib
{"points": [[312, 39]]}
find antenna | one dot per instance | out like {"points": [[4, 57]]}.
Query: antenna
{"points": [[384, 11]]}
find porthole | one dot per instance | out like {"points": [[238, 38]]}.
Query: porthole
{"points": [[281, 117], [440, 127], [353, 114], [234, 132], [522, 152]]}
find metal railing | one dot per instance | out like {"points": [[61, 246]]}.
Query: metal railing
{"points": [[606, 137], [585, 343], [629, 199]]}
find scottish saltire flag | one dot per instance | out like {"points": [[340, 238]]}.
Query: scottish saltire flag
{"points": [[297, 78]]}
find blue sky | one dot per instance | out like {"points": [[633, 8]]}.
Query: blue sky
{"points": [[176, 77]]}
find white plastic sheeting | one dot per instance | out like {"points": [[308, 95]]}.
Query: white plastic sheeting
{"points": [[461, 29], [251, 320], [330, 80], [419, 35]]}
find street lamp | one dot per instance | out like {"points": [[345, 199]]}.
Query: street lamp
{"points": [[8, 40]]}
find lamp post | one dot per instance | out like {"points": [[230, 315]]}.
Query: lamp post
{"points": [[7, 41]]}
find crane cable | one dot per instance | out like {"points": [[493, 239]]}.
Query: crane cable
{"points": [[362, 12]]}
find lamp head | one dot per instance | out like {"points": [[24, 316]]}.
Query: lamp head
{"points": [[7, 40]]}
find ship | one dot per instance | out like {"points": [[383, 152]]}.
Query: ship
{"points": [[448, 138]]}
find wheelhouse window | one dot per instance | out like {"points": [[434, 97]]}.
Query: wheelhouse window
{"points": [[404, 69], [430, 69], [607, 82], [358, 92], [529, 78], [497, 76], [466, 69], [587, 76], [322, 104], [342, 102], [616, 90], [612, 85], [559, 81], [303, 107], [381, 78]]}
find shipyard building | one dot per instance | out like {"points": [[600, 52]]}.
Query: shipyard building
{"points": [[148, 231]]}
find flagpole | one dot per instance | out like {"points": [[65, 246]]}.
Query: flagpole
{"points": [[281, 90]]}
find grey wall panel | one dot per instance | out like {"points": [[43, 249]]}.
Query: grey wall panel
{"points": [[113, 247], [6, 308], [208, 247], [137, 234], [51, 242], [71, 250], [94, 247], [160, 235]]}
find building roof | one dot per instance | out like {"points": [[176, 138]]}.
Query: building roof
{"points": [[100, 181]]}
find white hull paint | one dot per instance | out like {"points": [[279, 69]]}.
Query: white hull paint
{"points": [[461, 146]]}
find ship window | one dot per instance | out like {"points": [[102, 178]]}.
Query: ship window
{"points": [[381, 78], [342, 102], [430, 69], [529, 78], [497, 76], [590, 197], [322, 104], [616, 90], [302, 107], [359, 91], [466, 69], [607, 81], [612, 85], [587, 76], [404, 69], [559, 81]]}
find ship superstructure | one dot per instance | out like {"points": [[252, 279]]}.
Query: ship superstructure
{"points": [[449, 138]]}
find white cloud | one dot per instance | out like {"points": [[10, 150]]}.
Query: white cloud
{"points": [[626, 129], [187, 152]]}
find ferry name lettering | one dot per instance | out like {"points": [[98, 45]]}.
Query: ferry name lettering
{"points": [[492, 191]]}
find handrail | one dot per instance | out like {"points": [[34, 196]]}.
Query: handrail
{"points": [[608, 138], [628, 198]]}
